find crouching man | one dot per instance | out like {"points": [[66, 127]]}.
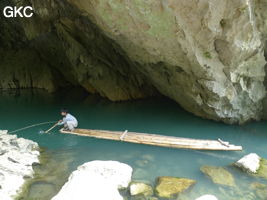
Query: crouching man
{"points": [[69, 121]]}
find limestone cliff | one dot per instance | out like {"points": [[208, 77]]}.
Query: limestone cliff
{"points": [[207, 55]]}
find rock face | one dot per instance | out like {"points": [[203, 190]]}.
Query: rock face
{"points": [[200, 59], [250, 163], [98, 180], [219, 175], [17, 155], [169, 187]]}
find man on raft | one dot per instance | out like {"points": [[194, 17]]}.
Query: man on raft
{"points": [[69, 121]]}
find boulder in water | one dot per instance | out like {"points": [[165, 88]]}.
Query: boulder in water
{"points": [[207, 197], [249, 163], [141, 189], [169, 187], [253, 164], [97, 180], [219, 175]]}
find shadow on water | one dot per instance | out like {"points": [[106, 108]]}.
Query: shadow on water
{"points": [[154, 115]]}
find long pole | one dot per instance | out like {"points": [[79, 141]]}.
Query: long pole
{"points": [[51, 128]]}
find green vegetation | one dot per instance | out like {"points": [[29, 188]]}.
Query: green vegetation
{"points": [[262, 171], [207, 55]]}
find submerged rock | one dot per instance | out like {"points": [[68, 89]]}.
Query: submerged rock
{"points": [[262, 172], [16, 163], [249, 163], [170, 187], [141, 189], [207, 197], [140, 174], [219, 175], [148, 157], [41, 190], [50, 175], [141, 163], [97, 180], [260, 190]]}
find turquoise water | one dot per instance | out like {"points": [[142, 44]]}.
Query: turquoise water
{"points": [[155, 115]]}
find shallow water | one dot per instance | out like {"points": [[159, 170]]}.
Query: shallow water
{"points": [[155, 115]]}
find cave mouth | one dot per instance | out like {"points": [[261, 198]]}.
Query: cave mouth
{"points": [[66, 46], [65, 51]]}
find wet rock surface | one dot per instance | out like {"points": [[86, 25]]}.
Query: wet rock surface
{"points": [[17, 157], [170, 187], [219, 175], [260, 190], [50, 175], [262, 172], [142, 189]]}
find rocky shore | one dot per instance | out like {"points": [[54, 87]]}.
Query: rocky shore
{"points": [[17, 157], [102, 180]]}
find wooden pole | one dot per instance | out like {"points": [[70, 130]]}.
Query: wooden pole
{"points": [[51, 128]]}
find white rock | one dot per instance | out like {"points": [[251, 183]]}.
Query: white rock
{"points": [[250, 163], [3, 132], [96, 180], [207, 197], [16, 158], [141, 189]]}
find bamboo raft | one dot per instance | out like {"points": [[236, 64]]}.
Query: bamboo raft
{"points": [[157, 140]]}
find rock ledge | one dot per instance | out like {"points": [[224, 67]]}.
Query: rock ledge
{"points": [[17, 155]]}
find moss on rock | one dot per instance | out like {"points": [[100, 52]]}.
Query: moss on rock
{"points": [[262, 171], [49, 176], [219, 175], [170, 187]]}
